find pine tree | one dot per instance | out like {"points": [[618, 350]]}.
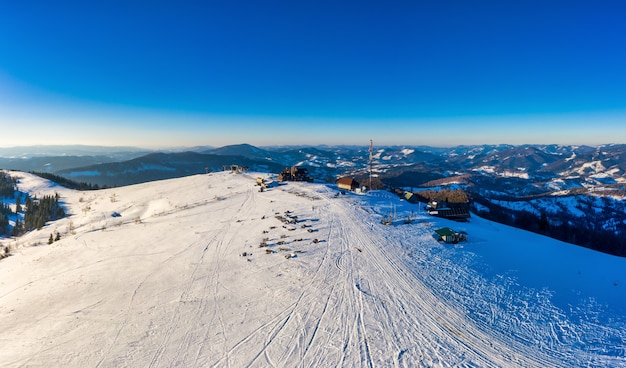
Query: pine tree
{"points": [[4, 224], [544, 225], [17, 229]]}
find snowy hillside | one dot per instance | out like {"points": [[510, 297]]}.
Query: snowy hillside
{"points": [[206, 271]]}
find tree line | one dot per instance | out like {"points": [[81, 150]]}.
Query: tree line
{"points": [[447, 195], [8, 186], [5, 211], [583, 231], [36, 211], [67, 183], [586, 231]]}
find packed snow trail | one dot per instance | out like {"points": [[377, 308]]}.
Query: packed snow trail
{"points": [[395, 308], [207, 271]]}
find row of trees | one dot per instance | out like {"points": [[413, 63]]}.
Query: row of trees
{"points": [[67, 183], [36, 212], [7, 185], [448, 195], [40, 211], [583, 231], [5, 210], [586, 231], [7, 189]]}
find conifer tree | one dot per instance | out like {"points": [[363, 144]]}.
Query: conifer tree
{"points": [[38, 212], [4, 224], [17, 229]]}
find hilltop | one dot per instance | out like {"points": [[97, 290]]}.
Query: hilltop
{"points": [[202, 271]]}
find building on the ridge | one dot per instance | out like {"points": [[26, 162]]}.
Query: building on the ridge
{"points": [[294, 173], [410, 197], [453, 211], [348, 184], [235, 169]]}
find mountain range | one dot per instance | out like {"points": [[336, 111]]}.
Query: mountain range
{"points": [[547, 167], [559, 185]]}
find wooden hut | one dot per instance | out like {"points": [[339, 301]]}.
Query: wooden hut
{"points": [[348, 184], [450, 236]]}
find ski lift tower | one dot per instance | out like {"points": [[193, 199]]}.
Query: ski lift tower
{"points": [[371, 153]]}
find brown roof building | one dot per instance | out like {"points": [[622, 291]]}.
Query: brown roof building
{"points": [[347, 184]]}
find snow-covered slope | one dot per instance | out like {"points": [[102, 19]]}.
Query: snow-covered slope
{"points": [[171, 273]]}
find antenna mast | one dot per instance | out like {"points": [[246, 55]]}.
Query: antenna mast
{"points": [[371, 151]]}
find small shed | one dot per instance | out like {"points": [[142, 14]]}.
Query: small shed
{"points": [[450, 236], [348, 184]]}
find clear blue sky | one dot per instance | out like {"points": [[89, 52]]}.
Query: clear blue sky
{"points": [[155, 73]]}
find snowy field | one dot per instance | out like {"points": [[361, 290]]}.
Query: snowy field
{"points": [[200, 272]]}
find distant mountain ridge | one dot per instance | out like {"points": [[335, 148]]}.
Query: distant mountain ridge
{"points": [[578, 192], [67, 150], [547, 166], [160, 165], [245, 150]]}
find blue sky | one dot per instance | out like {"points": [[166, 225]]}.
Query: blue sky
{"points": [[158, 73]]}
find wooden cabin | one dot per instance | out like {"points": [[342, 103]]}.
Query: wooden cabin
{"points": [[294, 174], [453, 211], [348, 184]]}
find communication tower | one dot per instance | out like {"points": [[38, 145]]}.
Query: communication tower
{"points": [[371, 157]]}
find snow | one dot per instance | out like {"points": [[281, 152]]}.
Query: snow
{"points": [[486, 169], [505, 173], [527, 206], [514, 174], [345, 164], [571, 203], [573, 156], [607, 174], [593, 167], [479, 207], [179, 279], [555, 185]]}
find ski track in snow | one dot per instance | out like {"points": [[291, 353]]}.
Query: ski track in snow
{"points": [[169, 285]]}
